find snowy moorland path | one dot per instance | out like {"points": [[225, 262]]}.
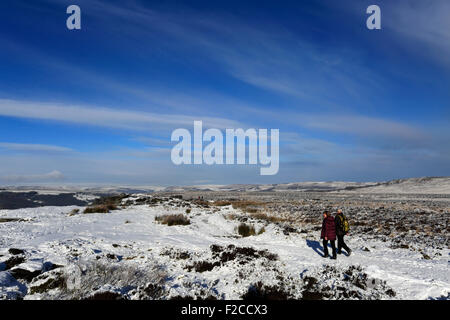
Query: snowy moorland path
{"points": [[132, 235]]}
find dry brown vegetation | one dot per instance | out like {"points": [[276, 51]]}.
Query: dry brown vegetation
{"points": [[2, 220], [248, 206], [268, 218], [246, 230], [173, 219], [253, 208], [105, 204], [101, 208], [221, 203]]}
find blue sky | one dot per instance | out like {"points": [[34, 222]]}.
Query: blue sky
{"points": [[98, 105]]}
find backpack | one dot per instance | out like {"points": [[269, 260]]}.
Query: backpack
{"points": [[344, 223]]}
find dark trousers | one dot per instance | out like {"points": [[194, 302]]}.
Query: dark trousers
{"points": [[341, 244], [325, 247]]}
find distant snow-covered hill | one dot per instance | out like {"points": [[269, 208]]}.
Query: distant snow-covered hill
{"points": [[425, 185]]}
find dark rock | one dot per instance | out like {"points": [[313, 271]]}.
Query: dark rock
{"points": [[49, 266], [52, 281], [154, 291], [390, 292], [106, 295], [15, 251], [259, 291], [425, 256], [13, 261], [24, 274]]}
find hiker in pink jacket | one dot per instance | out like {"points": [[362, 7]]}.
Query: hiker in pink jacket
{"points": [[328, 234]]}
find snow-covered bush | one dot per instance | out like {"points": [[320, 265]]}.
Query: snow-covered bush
{"points": [[102, 280]]}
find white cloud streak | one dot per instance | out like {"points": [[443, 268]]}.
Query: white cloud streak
{"points": [[425, 24], [363, 126], [105, 117], [33, 147], [52, 176]]}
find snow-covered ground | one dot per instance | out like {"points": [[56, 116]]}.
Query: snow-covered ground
{"points": [[425, 185], [126, 251]]}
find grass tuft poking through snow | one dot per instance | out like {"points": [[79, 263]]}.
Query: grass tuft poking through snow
{"points": [[173, 220], [102, 208], [246, 230], [100, 280]]}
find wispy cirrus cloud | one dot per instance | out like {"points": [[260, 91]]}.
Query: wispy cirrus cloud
{"points": [[53, 176], [417, 28], [268, 57], [24, 147], [363, 126], [424, 24], [105, 117]]}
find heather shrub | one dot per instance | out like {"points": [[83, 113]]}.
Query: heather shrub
{"points": [[173, 220]]}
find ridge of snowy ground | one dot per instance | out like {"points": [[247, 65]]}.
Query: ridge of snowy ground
{"points": [[424, 185], [180, 261]]}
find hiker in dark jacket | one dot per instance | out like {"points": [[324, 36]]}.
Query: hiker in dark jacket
{"points": [[340, 233], [328, 234]]}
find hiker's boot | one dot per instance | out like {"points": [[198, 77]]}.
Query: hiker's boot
{"points": [[349, 252], [339, 252], [333, 257], [326, 255]]}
